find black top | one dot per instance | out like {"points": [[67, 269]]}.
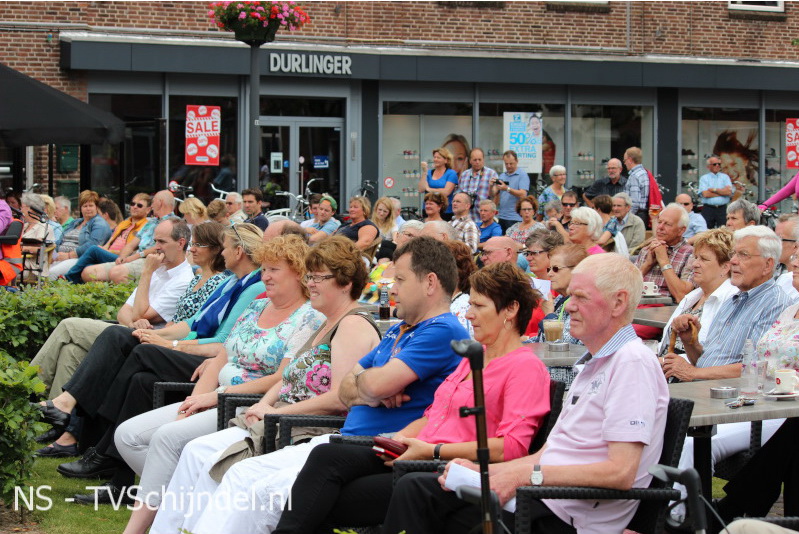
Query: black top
{"points": [[602, 186], [351, 231]]}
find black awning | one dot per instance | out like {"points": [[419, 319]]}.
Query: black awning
{"points": [[33, 113]]}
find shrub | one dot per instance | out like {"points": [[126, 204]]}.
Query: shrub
{"points": [[27, 317], [18, 426]]}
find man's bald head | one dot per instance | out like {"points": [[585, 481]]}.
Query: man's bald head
{"points": [[284, 227], [499, 249]]}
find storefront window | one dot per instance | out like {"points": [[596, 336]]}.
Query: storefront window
{"points": [[729, 133], [121, 171], [603, 132], [777, 174], [411, 131], [302, 107], [553, 139], [200, 177]]}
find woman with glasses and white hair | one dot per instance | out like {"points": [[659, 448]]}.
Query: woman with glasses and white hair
{"points": [[585, 229]]}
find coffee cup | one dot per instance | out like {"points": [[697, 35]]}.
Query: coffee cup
{"points": [[785, 381], [650, 288], [553, 329]]}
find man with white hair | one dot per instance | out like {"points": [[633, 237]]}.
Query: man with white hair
{"points": [[744, 316], [610, 185], [667, 259], [233, 208], [63, 211], [629, 224], [601, 438]]}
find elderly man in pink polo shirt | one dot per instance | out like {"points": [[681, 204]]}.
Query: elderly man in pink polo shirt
{"points": [[609, 432]]}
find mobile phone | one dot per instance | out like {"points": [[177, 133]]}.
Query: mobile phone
{"points": [[500, 182], [383, 452], [391, 445]]}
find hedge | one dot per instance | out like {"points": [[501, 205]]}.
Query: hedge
{"points": [[27, 317]]}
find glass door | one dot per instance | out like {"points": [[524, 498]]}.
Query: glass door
{"points": [[300, 151]]}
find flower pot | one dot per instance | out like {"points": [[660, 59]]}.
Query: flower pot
{"points": [[257, 35]]}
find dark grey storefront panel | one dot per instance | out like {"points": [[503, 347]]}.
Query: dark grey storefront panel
{"points": [[143, 57]]}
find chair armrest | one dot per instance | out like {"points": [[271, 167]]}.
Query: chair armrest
{"points": [[404, 467], [363, 441], [288, 422], [228, 402], [161, 388]]}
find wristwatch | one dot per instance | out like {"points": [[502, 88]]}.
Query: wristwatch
{"points": [[437, 451], [666, 267], [537, 477], [142, 254], [174, 343], [221, 389]]}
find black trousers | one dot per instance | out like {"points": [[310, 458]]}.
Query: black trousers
{"points": [[420, 506], [644, 215], [505, 224], [757, 486], [339, 486], [715, 216]]}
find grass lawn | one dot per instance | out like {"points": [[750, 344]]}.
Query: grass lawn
{"points": [[69, 517]]}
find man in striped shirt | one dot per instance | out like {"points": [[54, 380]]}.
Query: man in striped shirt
{"points": [[746, 315]]}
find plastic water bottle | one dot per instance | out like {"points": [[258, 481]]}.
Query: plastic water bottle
{"points": [[748, 370]]}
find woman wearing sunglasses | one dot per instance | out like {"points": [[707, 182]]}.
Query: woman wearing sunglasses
{"points": [[563, 260]]}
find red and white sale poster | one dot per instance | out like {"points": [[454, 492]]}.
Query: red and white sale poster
{"points": [[792, 143], [203, 125]]}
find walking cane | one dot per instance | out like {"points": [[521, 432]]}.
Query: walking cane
{"points": [[489, 504]]}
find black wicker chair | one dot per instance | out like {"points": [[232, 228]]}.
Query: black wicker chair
{"points": [[167, 392], [651, 514]]}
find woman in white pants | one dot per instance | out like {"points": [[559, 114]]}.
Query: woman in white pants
{"points": [[335, 279]]}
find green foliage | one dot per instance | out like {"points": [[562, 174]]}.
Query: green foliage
{"points": [[18, 426], [28, 317]]}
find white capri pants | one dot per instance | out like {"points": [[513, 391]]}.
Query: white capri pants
{"points": [[151, 444]]}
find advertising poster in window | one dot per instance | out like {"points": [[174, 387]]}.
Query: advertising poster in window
{"points": [[792, 143], [522, 134], [203, 125]]}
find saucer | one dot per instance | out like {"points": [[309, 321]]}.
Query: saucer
{"points": [[653, 294], [781, 396]]}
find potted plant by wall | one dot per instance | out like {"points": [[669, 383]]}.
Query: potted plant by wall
{"points": [[256, 23]]}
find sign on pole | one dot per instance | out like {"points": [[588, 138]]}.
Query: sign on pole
{"points": [[203, 126]]}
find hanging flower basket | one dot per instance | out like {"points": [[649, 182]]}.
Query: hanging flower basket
{"points": [[256, 23]]}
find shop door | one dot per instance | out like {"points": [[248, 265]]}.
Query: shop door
{"points": [[301, 153]]}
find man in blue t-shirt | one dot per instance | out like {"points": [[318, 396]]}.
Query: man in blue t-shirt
{"points": [[512, 185], [393, 384]]}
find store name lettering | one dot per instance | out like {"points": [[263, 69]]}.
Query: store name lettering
{"points": [[310, 64]]}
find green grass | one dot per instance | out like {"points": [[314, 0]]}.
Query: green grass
{"points": [[70, 517]]}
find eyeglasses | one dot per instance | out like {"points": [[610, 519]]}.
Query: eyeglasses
{"points": [[530, 253], [138, 204], [788, 240], [685, 203], [714, 164], [525, 209], [743, 255], [568, 204], [555, 269], [575, 223], [192, 244], [486, 252], [318, 278]]}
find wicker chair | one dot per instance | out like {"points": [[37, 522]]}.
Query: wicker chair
{"points": [[651, 514]]}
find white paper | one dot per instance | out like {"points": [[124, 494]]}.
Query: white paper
{"points": [[543, 286], [463, 476]]}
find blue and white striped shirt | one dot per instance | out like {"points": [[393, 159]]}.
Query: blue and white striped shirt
{"points": [[746, 315], [638, 187], [622, 337]]}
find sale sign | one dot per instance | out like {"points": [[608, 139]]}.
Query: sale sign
{"points": [[792, 143], [203, 125]]}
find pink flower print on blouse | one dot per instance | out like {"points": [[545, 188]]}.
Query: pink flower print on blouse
{"points": [[318, 379]]}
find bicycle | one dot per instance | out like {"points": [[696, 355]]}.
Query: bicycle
{"points": [[367, 189], [302, 204], [690, 189], [184, 191]]}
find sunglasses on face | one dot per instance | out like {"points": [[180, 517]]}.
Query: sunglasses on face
{"points": [[555, 269], [568, 204], [138, 204]]}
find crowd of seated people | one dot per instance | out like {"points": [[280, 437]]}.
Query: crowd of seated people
{"points": [[255, 305]]}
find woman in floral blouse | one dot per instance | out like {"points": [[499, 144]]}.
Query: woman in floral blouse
{"points": [[312, 363]]}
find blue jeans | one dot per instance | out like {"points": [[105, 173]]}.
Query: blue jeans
{"points": [[94, 256]]}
